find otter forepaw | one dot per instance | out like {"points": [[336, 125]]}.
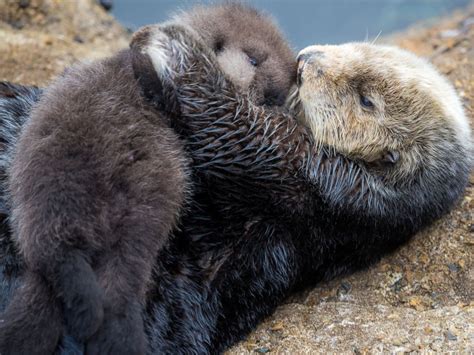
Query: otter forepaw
{"points": [[84, 315], [156, 44], [172, 49], [82, 297], [121, 333]]}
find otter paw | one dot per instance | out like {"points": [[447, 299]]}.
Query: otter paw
{"points": [[156, 44], [82, 297], [120, 334], [170, 48], [84, 313]]}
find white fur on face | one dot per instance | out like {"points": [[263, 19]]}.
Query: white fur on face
{"points": [[411, 68]]}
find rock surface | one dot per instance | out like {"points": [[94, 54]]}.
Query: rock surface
{"points": [[419, 299], [39, 38]]}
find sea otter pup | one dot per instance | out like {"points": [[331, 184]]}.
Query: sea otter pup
{"points": [[99, 179], [387, 152]]}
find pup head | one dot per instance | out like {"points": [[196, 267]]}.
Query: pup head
{"points": [[250, 48]]}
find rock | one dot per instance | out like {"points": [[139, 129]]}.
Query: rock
{"points": [[106, 4], [42, 37]]}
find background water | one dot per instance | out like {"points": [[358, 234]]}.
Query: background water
{"points": [[307, 22]]}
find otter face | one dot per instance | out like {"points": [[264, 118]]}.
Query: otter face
{"points": [[249, 48], [379, 104]]}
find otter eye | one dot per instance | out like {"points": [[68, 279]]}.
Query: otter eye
{"points": [[253, 61], [364, 101]]}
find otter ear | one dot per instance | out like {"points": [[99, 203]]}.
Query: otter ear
{"points": [[390, 157]]}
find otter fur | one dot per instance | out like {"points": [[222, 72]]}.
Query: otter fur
{"points": [[97, 182], [111, 178], [286, 204], [278, 208]]}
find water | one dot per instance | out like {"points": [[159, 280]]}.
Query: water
{"points": [[306, 22]]}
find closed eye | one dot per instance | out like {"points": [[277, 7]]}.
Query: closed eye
{"points": [[255, 56]]}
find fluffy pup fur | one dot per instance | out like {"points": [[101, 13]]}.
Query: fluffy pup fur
{"points": [[98, 182]]}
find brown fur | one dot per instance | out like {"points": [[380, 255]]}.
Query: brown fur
{"points": [[98, 182], [240, 35]]}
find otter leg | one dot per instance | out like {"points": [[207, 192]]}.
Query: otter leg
{"points": [[70, 280], [76, 284], [32, 322], [124, 275]]}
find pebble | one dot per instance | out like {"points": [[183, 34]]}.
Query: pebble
{"points": [[24, 3], [106, 4], [450, 33], [453, 267], [277, 326], [345, 287], [78, 39], [450, 336]]}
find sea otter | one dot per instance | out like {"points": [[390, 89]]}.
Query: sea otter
{"points": [[384, 149], [279, 208], [120, 175]]}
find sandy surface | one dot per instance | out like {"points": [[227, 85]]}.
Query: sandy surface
{"points": [[419, 299]]}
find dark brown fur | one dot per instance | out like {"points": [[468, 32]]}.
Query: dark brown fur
{"points": [[98, 182]]}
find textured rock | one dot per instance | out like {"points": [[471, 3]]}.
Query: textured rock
{"points": [[419, 299], [39, 38]]}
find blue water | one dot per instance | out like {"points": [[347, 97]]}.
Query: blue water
{"points": [[307, 22]]}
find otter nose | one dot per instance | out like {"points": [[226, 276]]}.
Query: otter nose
{"points": [[303, 60], [308, 57]]}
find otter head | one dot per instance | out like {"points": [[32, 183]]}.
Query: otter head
{"points": [[381, 105], [249, 48]]}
